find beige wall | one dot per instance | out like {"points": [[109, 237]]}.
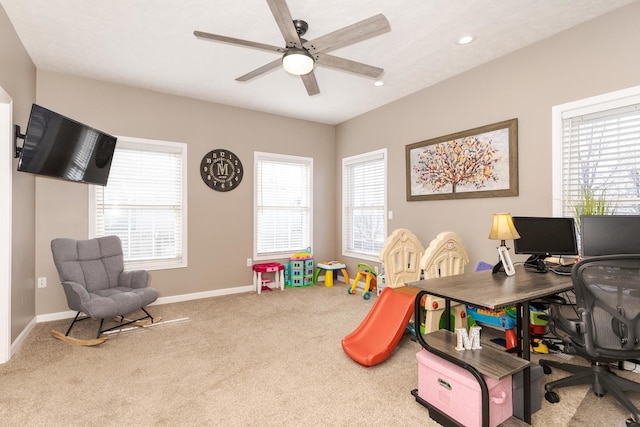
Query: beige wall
{"points": [[220, 234], [597, 57], [18, 79]]}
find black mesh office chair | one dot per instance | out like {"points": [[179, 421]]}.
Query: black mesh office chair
{"points": [[607, 329]]}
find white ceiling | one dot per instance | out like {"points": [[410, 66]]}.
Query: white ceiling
{"points": [[150, 44]]}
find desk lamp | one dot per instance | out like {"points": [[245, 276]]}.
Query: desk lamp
{"points": [[503, 229]]}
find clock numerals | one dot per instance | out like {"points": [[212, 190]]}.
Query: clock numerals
{"points": [[221, 170]]}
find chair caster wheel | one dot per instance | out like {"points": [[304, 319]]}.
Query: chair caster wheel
{"points": [[552, 397], [631, 423], [350, 292], [546, 369], [366, 295]]}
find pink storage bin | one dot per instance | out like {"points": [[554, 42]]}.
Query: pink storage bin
{"points": [[455, 392]]}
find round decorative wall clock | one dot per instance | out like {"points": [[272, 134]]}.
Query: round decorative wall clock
{"points": [[221, 170]]}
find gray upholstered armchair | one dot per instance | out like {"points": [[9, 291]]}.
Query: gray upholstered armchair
{"points": [[95, 283]]}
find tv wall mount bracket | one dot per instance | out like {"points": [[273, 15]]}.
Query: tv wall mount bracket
{"points": [[17, 135]]}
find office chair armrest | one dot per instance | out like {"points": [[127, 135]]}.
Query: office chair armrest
{"points": [[134, 279], [574, 327], [570, 326]]}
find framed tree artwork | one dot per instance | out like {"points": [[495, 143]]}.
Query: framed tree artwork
{"points": [[480, 162]]}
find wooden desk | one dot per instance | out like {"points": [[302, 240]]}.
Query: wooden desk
{"points": [[484, 289], [492, 291]]}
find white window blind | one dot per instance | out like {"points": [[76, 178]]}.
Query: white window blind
{"points": [[364, 201], [283, 205], [144, 203], [601, 158]]}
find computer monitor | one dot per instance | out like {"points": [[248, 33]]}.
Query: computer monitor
{"points": [[609, 234], [542, 237]]}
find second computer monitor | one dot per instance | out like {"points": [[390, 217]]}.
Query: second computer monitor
{"points": [[609, 234]]}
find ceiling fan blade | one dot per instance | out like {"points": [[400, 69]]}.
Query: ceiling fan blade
{"points": [[246, 43], [261, 70], [353, 33], [348, 65], [281, 13], [310, 83]]}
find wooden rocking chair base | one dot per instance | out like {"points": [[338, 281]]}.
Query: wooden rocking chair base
{"points": [[77, 341], [96, 341]]}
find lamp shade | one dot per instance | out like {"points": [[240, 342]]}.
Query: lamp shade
{"points": [[297, 62], [503, 228]]}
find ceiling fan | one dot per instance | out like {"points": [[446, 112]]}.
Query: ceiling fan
{"points": [[300, 55]]}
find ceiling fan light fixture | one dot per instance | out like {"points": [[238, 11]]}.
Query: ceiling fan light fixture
{"points": [[297, 61]]}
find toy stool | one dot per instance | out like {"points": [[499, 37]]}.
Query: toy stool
{"points": [[329, 268], [270, 267], [264, 285]]}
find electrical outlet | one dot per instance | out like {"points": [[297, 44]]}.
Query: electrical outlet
{"points": [[42, 282], [249, 262]]}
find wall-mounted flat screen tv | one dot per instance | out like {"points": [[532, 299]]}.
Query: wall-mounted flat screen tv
{"points": [[60, 147]]}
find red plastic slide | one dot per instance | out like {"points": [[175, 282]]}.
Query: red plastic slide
{"points": [[375, 338]]}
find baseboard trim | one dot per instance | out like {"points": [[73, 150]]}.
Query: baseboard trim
{"points": [[15, 345], [162, 300], [201, 295]]}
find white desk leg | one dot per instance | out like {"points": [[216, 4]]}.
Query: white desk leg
{"points": [[255, 281], [259, 282], [281, 274]]}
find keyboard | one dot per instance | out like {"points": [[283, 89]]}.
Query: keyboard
{"points": [[562, 269]]}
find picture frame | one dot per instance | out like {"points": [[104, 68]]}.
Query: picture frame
{"points": [[475, 163]]}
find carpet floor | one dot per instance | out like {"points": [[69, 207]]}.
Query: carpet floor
{"points": [[240, 360]]}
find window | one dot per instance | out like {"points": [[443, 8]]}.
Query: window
{"points": [[364, 201], [283, 205], [596, 146], [144, 203]]}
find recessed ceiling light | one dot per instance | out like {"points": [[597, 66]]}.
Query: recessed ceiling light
{"points": [[465, 40], [379, 83]]}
